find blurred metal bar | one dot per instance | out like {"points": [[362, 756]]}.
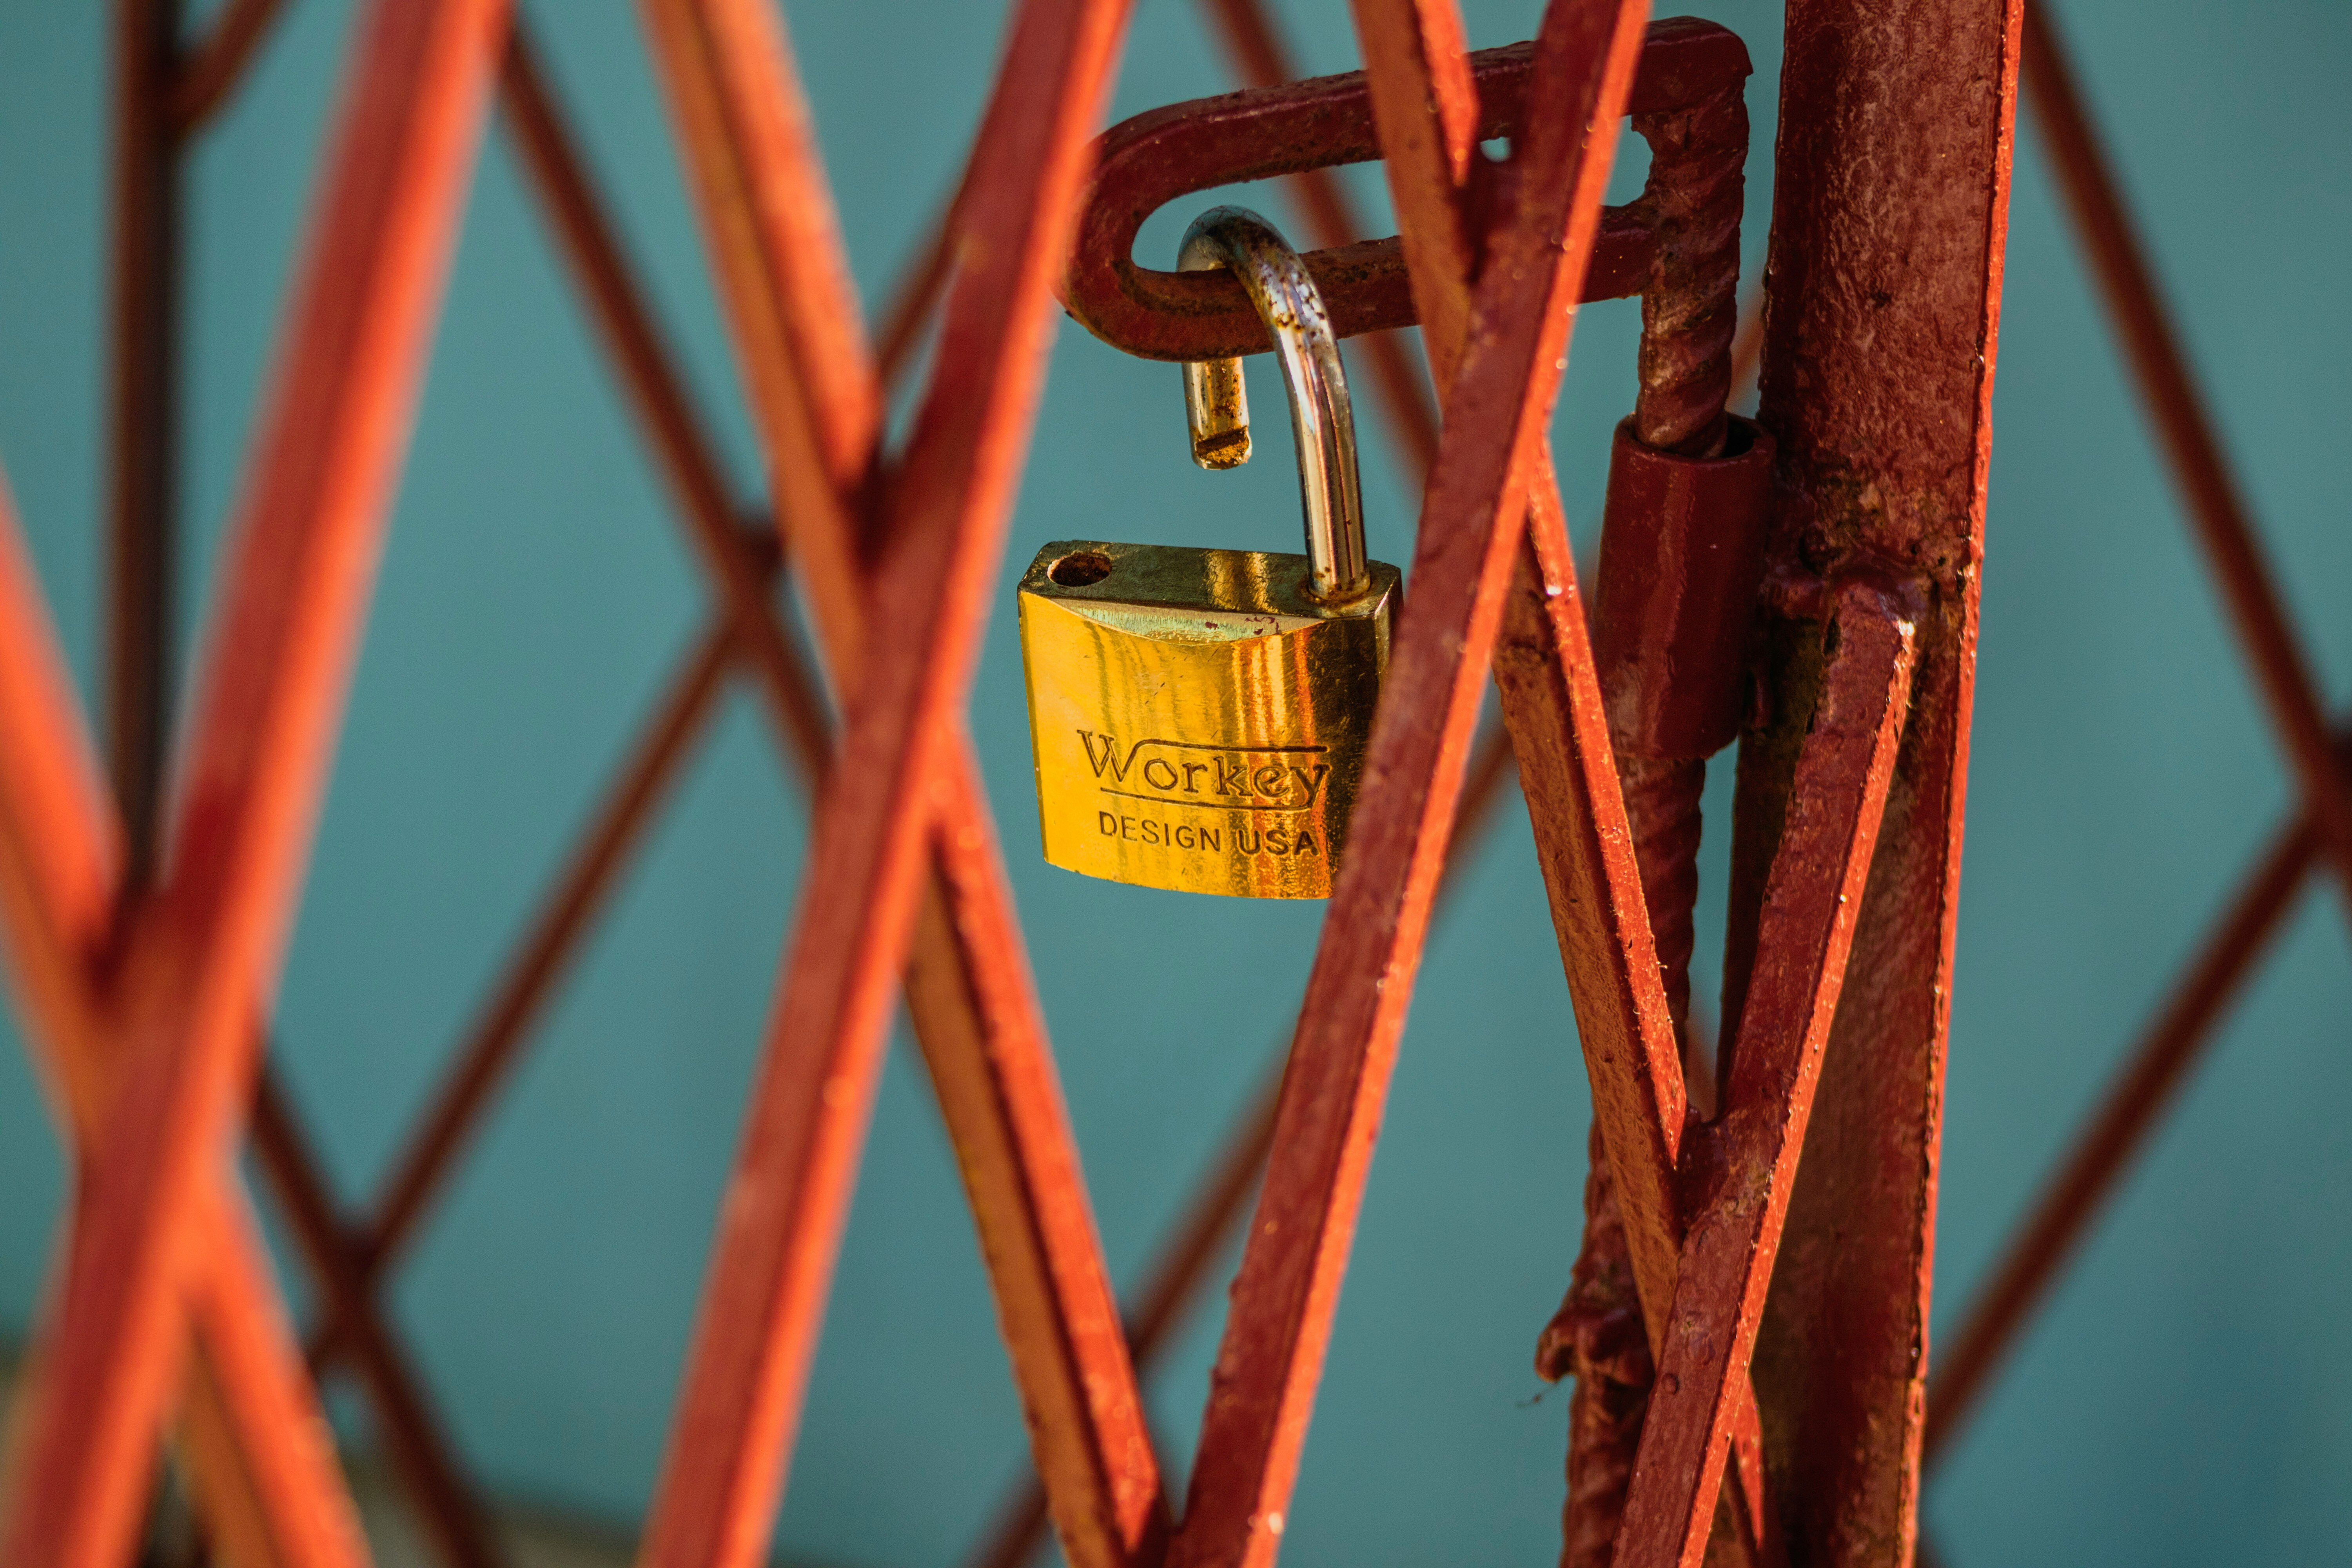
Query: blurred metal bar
{"points": [[352, 1257], [914, 299], [450, 1513], [211, 72], [204, 959], [742, 571], [742, 564], [261, 1462], [2208, 488], [143, 415], [2160, 1063], [2151, 1078], [550, 942]]}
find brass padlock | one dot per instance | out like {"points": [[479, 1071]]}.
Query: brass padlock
{"points": [[1198, 716]]}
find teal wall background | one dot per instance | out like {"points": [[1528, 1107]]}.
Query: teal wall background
{"points": [[2184, 1401]]}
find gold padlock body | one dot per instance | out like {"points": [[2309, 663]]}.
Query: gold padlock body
{"points": [[1198, 722]]}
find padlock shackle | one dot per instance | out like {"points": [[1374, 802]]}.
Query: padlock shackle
{"points": [[1322, 421]]}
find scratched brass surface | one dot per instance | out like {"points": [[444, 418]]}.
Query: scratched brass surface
{"points": [[1198, 722]]}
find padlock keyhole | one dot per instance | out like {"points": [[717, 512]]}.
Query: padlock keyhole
{"points": [[1080, 569]]}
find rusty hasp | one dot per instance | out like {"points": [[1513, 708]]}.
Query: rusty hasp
{"points": [[1263, 132], [1746, 1162]]}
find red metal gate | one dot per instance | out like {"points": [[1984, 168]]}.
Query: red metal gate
{"points": [[1778, 1248]]}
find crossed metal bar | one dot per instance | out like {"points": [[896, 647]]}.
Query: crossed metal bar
{"points": [[349, 1258], [192, 964], [866, 849], [918, 770], [1249, 1449], [257, 1447], [928, 528], [2281, 872]]}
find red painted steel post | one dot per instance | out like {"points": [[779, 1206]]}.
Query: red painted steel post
{"points": [[1889, 220], [202, 961]]}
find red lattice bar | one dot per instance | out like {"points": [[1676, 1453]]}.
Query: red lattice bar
{"points": [[785, 288], [261, 1457], [200, 961], [1551, 697], [1837, 798], [1262, 1388]]}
